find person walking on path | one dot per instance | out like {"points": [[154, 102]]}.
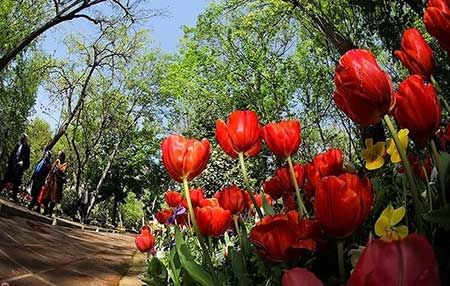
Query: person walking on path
{"points": [[54, 183], [41, 170], [18, 162]]}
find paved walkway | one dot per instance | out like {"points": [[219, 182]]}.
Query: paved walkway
{"points": [[37, 254]]}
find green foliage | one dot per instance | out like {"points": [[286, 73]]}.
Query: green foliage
{"points": [[195, 270], [19, 82], [157, 273], [39, 133], [441, 217], [18, 87], [131, 211], [18, 19]]}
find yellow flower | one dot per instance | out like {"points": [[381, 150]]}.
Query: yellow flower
{"points": [[385, 225], [391, 149], [373, 154]]}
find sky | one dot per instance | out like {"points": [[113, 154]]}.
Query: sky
{"points": [[165, 32]]}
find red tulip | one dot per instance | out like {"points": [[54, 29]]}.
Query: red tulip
{"points": [[283, 138], [410, 261], [329, 163], [281, 183], [290, 202], [241, 134], [184, 158], [211, 202], [284, 177], [342, 203], [363, 89], [437, 21], [417, 109], [277, 237], [272, 188], [163, 215], [415, 54], [258, 199], [232, 198], [197, 195], [309, 228], [212, 221], [300, 277], [173, 199], [145, 240]]}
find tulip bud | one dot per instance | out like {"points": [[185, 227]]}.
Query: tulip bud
{"points": [[232, 198], [342, 203], [363, 90], [283, 138], [417, 109], [240, 134], [437, 21], [145, 240], [212, 221], [416, 54], [184, 158]]}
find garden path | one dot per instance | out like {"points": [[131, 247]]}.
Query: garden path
{"points": [[34, 253]]}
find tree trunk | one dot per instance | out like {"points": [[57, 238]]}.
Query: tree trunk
{"points": [[114, 214], [75, 111], [103, 177]]}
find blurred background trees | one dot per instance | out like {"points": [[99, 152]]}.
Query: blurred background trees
{"points": [[117, 98]]}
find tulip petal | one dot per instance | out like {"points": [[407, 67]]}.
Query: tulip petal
{"points": [[300, 277], [254, 150], [410, 261], [224, 139]]}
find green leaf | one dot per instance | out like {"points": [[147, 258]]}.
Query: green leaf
{"points": [[194, 270], [174, 266], [156, 269], [197, 273], [268, 210], [182, 249], [443, 162], [440, 217], [245, 242], [239, 270]]}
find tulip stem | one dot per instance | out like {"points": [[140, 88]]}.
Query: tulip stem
{"points": [[236, 225], [441, 173], [206, 254], [439, 90], [247, 184], [340, 253], [408, 170], [301, 206], [427, 181]]}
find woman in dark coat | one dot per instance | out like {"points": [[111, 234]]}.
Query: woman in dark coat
{"points": [[40, 172], [18, 162], [54, 183]]}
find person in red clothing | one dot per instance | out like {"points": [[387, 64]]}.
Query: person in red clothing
{"points": [[54, 183]]}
